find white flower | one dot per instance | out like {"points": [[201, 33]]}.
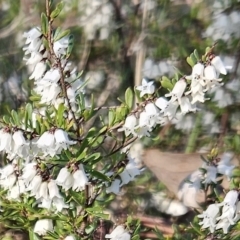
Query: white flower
{"points": [[210, 78], [62, 140], [153, 115], [59, 204], [146, 87], [39, 70], [29, 172], [218, 64], [230, 200], [211, 174], [42, 226], [60, 46], [8, 183], [5, 140], [43, 191], [186, 106], [7, 171], [32, 35], [69, 237], [224, 166], [65, 179], [34, 185], [171, 109], [46, 140], [119, 233], [80, 179], [115, 187], [189, 189], [161, 103], [129, 125], [15, 191], [143, 128], [177, 91], [197, 71], [209, 217], [53, 189]]}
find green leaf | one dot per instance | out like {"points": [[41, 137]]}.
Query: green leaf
{"points": [[100, 175], [33, 236], [60, 114], [166, 83], [15, 117], [60, 34], [190, 61], [196, 54], [57, 10], [70, 46], [44, 24], [111, 117], [129, 97]]}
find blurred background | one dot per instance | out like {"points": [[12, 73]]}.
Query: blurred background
{"points": [[119, 42]]}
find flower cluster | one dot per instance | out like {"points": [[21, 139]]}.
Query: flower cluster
{"points": [[204, 77], [215, 217], [47, 81], [128, 174], [17, 145], [208, 174]]}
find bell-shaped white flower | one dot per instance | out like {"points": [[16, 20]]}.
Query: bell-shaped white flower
{"points": [[60, 46], [143, 128], [119, 233], [177, 91], [211, 175], [42, 226], [32, 35], [53, 189], [15, 191], [7, 171], [189, 189], [210, 72], [8, 183], [114, 187], [197, 71], [171, 109], [186, 106], [19, 141], [129, 125], [146, 87], [46, 140], [161, 103], [80, 179], [224, 166], [65, 179], [39, 70], [218, 64], [62, 139], [59, 204], [43, 191], [34, 58], [29, 172], [230, 200], [5, 140], [52, 75], [153, 115], [209, 217], [34, 185]]}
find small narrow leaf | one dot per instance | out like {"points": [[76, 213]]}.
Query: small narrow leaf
{"points": [[129, 97], [44, 24], [57, 10]]}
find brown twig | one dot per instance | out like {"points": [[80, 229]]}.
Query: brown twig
{"points": [[59, 65]]}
